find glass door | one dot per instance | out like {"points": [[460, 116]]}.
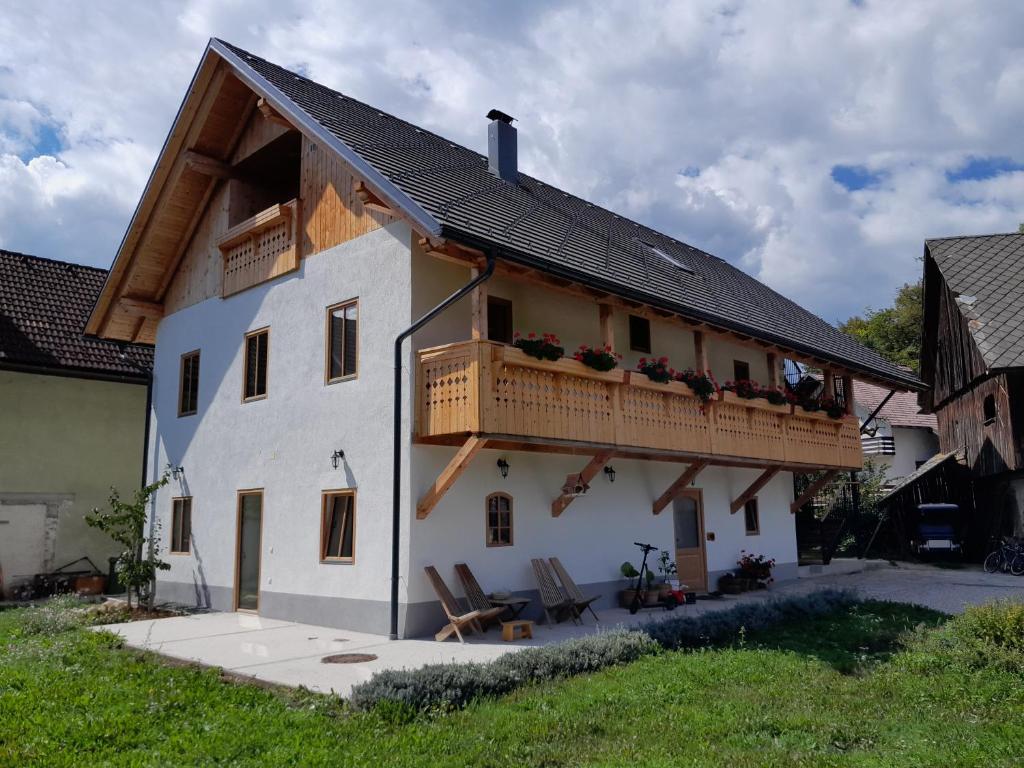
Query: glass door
{"points": [[250, 519]]}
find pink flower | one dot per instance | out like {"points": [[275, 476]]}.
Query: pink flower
{"points": [[532, 335]]}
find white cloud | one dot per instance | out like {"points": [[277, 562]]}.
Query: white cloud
{"points": [[615, 100]]}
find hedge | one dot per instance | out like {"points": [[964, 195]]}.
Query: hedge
{"points": [[453, 685]]}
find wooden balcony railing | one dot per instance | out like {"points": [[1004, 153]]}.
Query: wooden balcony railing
{"points": [[487, 388], [261, 247]]}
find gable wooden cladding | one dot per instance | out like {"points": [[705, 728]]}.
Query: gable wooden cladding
{"points": [[332, 211], [261, 248], [258, 132], [989, 448]]}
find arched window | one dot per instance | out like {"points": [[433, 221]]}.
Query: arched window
{"points": [[989, 409], [499, 520]]}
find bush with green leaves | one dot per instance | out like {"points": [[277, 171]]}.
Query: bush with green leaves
{"points": [[442, 687]]}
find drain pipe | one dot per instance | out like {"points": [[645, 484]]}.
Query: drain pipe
{"points": [[396, 475]]}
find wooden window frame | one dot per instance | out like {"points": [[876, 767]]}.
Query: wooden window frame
{"points": [[239, 495], [187, 540], [757, 517], [325, 496], [195, 353], [986, 420], [735, 370], [327, 342], [650, 334], [245, 363], [487, 522], [502, 302]]}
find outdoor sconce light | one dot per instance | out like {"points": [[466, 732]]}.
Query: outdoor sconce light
{"points": [[336, 457], [503, 467], [176, 471], [609, 472]]}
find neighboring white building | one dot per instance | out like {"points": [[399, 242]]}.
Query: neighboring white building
{"points": [[289, 234], [900, 437]]}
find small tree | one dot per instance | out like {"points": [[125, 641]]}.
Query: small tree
{"points": [[125, 523]]}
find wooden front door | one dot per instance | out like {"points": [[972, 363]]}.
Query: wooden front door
{"points": [[247, 574], [688, 515]]}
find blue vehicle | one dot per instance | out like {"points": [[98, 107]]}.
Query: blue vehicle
{"points": [[937, 529]]}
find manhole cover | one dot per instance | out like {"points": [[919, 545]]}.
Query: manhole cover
{"points": [[348, 658]]}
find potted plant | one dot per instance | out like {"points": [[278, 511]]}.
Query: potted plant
{"points": [[755, 568], [627, 595], [745, 388], [667, 569], [728, 584], [656, 369], [547, 347], [830, 406], [701, 382], [775, 396], [653, 596], [598, 358]]}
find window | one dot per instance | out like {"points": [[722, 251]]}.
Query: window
{"points": [[639, 334], [989, 409], [751, 518], [188, 384], [499, 520], [257, 346], [675, 261], [181, 525], [499, 319], [342, 340], [338, 527], [740, 370]]}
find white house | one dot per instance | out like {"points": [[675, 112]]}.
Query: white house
{"points": [[289, 235], [896, 434]]}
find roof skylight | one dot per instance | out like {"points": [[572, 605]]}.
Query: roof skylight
{"points": [[673, 260]]}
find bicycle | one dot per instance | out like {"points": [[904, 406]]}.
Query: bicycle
{"points": [[1007, 557]]}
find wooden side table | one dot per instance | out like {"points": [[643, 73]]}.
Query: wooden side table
{"points": [[520, 629]]}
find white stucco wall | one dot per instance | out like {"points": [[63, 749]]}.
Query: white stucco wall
{"points": [[283, 443], [912, 445], [66, 441]]}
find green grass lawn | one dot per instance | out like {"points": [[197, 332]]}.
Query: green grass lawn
{"points": [[830, 691]]}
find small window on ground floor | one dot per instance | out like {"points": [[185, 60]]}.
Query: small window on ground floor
{"points": [[499, 520], [181, 525], [338, 528], [752, 518]]}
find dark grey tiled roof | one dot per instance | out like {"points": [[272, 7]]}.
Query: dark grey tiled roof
{"points": [[537, 224], [43, 308], [986, 272]]}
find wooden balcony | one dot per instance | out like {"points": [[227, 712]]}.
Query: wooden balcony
{"points": [[261, 247], [484, 388]]}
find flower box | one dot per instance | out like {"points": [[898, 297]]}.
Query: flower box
{"points": [[637, 379], [758, 402], [566, 366]]}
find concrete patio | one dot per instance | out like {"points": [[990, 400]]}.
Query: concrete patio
{"points": [[288, 653]]}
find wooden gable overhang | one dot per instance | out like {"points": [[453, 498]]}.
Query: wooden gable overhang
{"points": [[194, 161]]}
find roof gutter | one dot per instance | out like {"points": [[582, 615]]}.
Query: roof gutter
{"points": [[302, 120], [396, 473], [612, 288]]}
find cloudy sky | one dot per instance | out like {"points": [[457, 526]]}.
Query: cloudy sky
{"points": [[813, 144]]}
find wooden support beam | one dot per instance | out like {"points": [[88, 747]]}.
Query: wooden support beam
{"points": [[141, 308], [370, 200], [607, 325], [206, 165], [271, 114], [848, 393], [449, 475], [595, 465], [774, 379], [700, 351], [828, 387], [478, 297], [811, 490], [763, 479], [688, 476]]}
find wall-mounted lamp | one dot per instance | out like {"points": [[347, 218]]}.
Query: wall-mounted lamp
{"points": [[503, 467], [336, 458], [175, 470], [609, 472]]}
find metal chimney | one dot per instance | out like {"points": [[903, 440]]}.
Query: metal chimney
{"points": [[501, 147]]}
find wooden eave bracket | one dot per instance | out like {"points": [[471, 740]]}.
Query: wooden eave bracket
{"points": [[449, 475], [450, 251], [370, 200], [687, 477], [206, 165], [271, 114], [585, 475], [763, 479], [811, 490], [149, 310]]}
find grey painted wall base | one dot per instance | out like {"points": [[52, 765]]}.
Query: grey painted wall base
{"points": [[372, 616]]}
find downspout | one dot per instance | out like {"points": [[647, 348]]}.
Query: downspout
{"points": [[396, 473], [145, 433]]}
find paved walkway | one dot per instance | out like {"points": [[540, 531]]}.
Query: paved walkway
{"points": [[288, 653]]}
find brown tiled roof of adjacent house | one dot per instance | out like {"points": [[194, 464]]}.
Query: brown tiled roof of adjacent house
{"points": [[902, 409], [44, 305]]}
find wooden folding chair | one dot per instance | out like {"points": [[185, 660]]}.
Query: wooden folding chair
{"points": [[556, 604], [580, 601], [457, 620]]}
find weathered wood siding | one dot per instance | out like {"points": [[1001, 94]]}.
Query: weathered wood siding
{"points": [[990, 448], [201, 272]]}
